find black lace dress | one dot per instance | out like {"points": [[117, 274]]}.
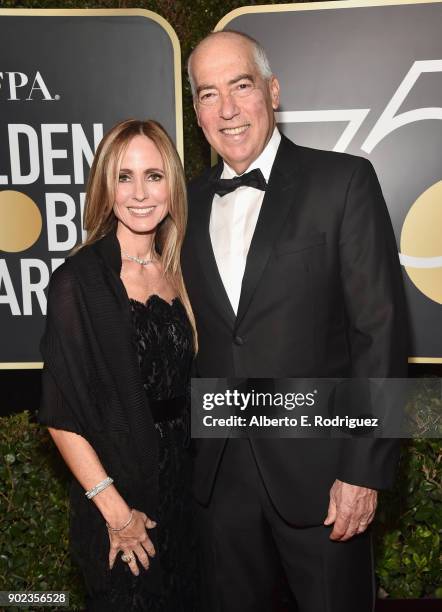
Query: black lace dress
{"points": [[163, 341]]}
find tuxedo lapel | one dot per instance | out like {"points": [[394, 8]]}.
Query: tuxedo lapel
{"points": [[280, 194], [204, 249]]}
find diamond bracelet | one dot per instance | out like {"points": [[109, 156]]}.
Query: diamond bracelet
{"points": [[99, 487]]}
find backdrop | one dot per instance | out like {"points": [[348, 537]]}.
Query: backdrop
{"points": [[366, 78], [355, 77], [66, 76]]}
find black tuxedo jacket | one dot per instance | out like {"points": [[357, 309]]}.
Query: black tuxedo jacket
{"points": [[321, 296]]}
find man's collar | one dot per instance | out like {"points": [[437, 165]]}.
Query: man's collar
{"points": [[264, 161]]}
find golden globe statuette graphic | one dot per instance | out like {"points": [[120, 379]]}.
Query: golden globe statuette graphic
{"points": [[20, 221], [421, 243]]}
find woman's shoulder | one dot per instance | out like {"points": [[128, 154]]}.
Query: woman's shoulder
{"points": [[88, 269], [74, 262], [73, 270]]}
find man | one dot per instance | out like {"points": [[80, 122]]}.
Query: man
{"points": [[292, 274]]}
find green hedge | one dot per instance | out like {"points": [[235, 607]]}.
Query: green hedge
{"points": [[409, 525], [34, 518], [34, 512]]}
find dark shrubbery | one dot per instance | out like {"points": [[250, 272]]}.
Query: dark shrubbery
{"points": [[34, 518]]}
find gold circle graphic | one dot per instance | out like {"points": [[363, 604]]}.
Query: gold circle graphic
{"points": [[421, 237], [20, 221]]}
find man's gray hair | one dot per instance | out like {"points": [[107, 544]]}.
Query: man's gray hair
{"points": [[259, 53]]}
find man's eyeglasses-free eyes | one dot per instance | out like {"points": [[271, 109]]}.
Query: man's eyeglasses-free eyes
{"points": [[211, 97]]}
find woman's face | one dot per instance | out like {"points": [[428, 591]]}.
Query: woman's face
{"points": [[142, 191]]}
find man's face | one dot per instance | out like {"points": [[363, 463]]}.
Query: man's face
{"points": [[234, 104]]}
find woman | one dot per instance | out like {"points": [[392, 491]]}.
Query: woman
{"points": [[118, 346]]}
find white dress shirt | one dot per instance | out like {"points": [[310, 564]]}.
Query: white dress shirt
{"points": [[233, 220]]}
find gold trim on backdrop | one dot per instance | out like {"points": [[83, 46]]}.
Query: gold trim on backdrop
{"points": [[312, 6], [35, 365], [319, 6], [213, 157], [425, 360], [19, 365], [126, 13], [38, 365]]}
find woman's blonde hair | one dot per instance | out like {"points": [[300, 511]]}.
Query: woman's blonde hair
{"points": [[99, 218]]}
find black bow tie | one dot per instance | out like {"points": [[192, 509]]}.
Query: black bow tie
{"points": [[254, 178]]}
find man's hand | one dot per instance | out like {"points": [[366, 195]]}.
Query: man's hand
{"points": [[351, 509]]}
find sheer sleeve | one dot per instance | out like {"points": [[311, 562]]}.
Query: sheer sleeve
{"points": [[54, 410], [66, 401]]}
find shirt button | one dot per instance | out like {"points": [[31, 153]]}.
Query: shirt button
{"points": [[238, 340]]}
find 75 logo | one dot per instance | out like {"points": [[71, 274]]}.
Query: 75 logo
{"points": [[389, 121]]}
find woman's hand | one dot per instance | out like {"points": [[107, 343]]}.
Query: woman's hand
{"points": [[133, 541]]}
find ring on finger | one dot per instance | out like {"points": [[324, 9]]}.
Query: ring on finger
{"points": [[128, 558]]}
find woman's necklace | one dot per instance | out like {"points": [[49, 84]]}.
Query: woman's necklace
{"points": [[138, 260]]}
